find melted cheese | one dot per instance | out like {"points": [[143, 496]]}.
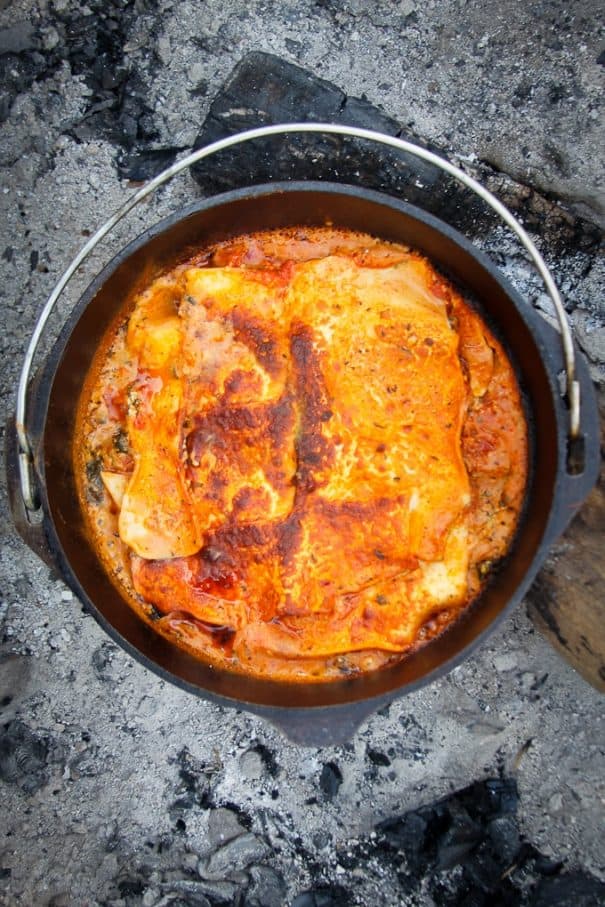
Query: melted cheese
{"points": [[325, 412], [313, 444]]}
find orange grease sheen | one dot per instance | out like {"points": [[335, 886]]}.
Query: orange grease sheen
{"points": [[315, 451]]}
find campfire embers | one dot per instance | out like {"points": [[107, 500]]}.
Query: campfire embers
{"points": [[467, 849], [92, 41]]}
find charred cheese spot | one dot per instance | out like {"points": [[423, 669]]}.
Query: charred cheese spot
{"points": [[321, 447]]}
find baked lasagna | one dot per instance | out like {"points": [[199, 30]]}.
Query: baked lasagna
{"points": [[301, 453]]}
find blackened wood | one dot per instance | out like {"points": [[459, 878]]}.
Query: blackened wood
{"points": [[567, 601], [264, 89]]}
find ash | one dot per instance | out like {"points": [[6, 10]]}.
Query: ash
{"points": [[119, 789]]}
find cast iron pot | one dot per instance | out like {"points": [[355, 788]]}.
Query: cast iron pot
{"points": [[312, 714]]}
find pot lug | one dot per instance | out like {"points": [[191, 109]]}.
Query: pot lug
{"points": [[332, 726], [32, 533], [581, 456]]}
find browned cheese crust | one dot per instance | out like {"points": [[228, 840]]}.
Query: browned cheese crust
{"points": [[301, 453]]}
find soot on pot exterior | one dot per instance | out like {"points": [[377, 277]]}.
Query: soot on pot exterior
{"points": [[313, 714]]}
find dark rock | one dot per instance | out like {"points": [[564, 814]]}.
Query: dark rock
{"points": [[233, 857], [223, 826], [323, 896], [330, 780], [267, 888], [17, 38], [141, 164], [25, 757]]}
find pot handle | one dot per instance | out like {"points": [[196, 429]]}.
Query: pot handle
{"points": [[320, 727], [25, 457]]}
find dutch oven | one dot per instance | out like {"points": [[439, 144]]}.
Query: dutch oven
{"points": [[563, 427]]}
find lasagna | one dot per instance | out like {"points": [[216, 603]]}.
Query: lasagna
{"points": [[301, 453]]}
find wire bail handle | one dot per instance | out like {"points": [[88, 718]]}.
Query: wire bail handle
{"points": [[26, 454]]}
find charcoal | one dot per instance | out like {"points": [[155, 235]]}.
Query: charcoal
{"points": [[493, 797], [503, 795], [359, 112], [193, 894], [505, 838], [251, 765], [223, 826], [574, 889], [322, 838], [91, 41], [233, 856], [24, 757], [466, 850], [264, 89], [279, 91], [17, 74], [485, 867], [323, 896], [187, 901], [473, 832], [141, 164], [17, 38], [459, 840], [85, 764], [407, 833], [15, 673], [205, 891], [268, 758], [102, 659], [129, 887], [330, 780], [378, 758], [267, 888]]}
